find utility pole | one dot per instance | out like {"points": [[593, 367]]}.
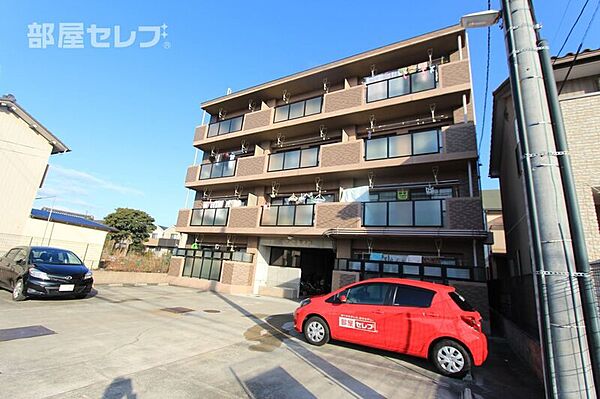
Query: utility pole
{"points": [[565, 349]]}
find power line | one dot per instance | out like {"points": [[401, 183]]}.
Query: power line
{"points": [[571, 30], [562, 19], [487, 83], [587, 29]]}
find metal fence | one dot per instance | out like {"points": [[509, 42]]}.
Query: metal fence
{"points": [[88, 253]]}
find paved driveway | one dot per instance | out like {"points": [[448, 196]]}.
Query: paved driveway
{"points": [[173, 342]]}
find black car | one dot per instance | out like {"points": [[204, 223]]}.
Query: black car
{"points": [[44, 271]]}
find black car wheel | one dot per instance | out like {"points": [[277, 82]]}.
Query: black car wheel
{"points": [[316, 331], [451, 358], [18, 293]]}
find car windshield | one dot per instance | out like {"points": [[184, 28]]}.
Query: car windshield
{"points": [[54, 256]]}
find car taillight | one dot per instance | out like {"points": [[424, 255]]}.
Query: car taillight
{"points": [[472, 322]]}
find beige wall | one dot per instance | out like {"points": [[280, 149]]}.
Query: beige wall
{"points": [[582, 119], [23, 158], [86, 243]]}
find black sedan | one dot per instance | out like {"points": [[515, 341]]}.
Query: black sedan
{"points": [[44, 271]]}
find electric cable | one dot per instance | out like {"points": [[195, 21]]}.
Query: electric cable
{"points": [[487, 83], [571, 30], [587, 29]]}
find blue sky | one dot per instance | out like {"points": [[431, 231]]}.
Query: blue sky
{"points": [[128, 114]]}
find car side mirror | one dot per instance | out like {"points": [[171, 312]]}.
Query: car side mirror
{"points": [[20, 262], [343, 299]]}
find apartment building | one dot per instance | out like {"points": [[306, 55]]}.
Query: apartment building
{"points": [[363, 167], [512, 290]]}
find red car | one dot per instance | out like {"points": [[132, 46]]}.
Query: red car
{"points": [[418, 318]]}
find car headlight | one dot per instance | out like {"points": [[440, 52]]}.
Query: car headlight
{"points": [[304, 302], [88, 275], [33, 272]]}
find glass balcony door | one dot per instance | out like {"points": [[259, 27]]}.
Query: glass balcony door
{"points": [[424, 213], [288, 215]]}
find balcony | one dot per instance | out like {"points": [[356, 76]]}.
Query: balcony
{"points": [[217, 169], [389, 96], [422, 213], [288, 215], [450, 143], [460, 216], [209, 217]]}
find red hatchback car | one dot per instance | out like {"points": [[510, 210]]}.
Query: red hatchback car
{"points": [[417, 318]]}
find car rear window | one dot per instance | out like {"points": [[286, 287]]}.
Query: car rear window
{"points": [[461, 302], [413, 296]]}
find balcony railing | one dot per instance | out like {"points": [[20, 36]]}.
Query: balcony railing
{"points": [[217, 169], [226, 126], [429, 272], [209, 217], [299, 109], [295, 159], [288, 215], [394, 86], [416, 143], [422, 213]]}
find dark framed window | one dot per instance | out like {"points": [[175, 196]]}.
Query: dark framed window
{"points": [[217, 169], [295, 159], [284, 257], [422, 213], [288, 215], [401, 85], [299, 109], [225, 126], [370, 294], [413, 143], [414, 297], [209, 217]]}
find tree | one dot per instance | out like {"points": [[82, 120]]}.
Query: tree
{"points": [[134, 227]]}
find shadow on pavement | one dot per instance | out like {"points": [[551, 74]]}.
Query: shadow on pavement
{"points": [[119, 388]]}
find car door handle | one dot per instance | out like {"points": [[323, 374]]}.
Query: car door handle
{"points": [[378, 311], [429, 314]]}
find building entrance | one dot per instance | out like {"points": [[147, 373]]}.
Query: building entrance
{"points": [[317, 268]]}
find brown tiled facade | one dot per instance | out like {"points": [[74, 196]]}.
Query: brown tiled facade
{"points": [[325, 135]]}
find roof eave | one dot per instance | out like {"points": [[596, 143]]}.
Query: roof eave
{"points": [[57, 145]]}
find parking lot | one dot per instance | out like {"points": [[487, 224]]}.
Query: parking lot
{"points": [[165, 341]]}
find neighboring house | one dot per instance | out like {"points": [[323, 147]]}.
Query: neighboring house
{"points": [[78, 233], [163, 240], [363, 167], [513, 291], [496, 252], [25, 147]]}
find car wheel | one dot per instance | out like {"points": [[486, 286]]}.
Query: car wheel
{"points": [[451, 358], [18, 291], [316, 331]]}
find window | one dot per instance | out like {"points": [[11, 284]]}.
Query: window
{"points": [[284, 257], [288, 215], [403, 213], [209, 217], [370, 294], [461, 302], [51, 255], [154, 235], [174, 236], [225, 126], [415, 143], [217, 169], [298, 109], [295, 159], [413, 296], [396, 86]]}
